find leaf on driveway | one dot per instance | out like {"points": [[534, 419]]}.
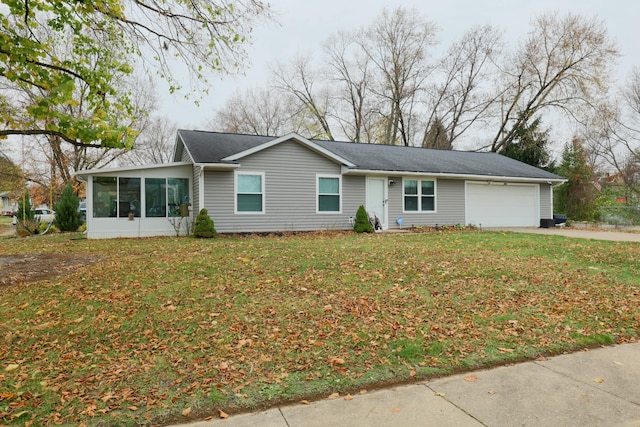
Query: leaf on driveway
{"points": [[223, 414], [471, 378], [598, 380], [395, 409]]}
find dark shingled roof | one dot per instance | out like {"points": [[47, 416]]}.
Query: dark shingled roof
{"points": [[212, 147]]}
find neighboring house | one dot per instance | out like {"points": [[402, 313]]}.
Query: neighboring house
{"points": [[258, 183], [6, 206]]}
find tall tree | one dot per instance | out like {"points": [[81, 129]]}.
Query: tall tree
{"points": [[11, 178], [312, 97], [398, 44], [206, 36], [564, 64], [257, 111], [350, 68], [460, 96], [155, 143]]}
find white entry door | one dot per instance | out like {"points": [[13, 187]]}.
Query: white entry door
{"points": [[377, 199]]}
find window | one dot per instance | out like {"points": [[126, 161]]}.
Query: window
{"points": [[177, 195], [155, 193], [128, 197], [419, 195], [165, 196], [250, 192], [328, 194], [105, 196], [119, 197]]}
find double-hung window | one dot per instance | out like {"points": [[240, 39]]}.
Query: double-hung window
{"points": [[329, 194], [249, 192], [419, 195]]}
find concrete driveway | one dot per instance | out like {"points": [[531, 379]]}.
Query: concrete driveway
{"points": [[581, 233]]}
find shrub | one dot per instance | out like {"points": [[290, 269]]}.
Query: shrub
{"points": [[24, 212], [204, 226], [362, 224], [67, 215]]}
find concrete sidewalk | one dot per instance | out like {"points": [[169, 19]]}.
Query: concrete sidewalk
{"points": [[591, 388]]}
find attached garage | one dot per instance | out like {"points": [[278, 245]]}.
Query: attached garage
{"points": [[501, 204]]}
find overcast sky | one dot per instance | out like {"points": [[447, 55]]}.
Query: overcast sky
{"points": [[303, 26]]}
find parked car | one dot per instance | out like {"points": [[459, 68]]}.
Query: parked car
{"points": [[82, 208], [40, 215]]}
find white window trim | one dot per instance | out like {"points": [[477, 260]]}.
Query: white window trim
{"points": [[419, 195], [318, 211], [237, 173]]}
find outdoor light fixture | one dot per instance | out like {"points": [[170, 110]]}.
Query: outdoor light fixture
{"points": [[391, 183]]}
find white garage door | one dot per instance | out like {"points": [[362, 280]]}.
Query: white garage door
{"points": [[499, 205]]}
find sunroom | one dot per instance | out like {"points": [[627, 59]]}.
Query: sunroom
{"points": [[144, 201]]}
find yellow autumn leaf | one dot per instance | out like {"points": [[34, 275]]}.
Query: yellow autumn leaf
{"points": [[11, 367], [186, 412]]}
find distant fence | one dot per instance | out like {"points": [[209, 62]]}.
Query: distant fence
{"points": [[620, 215]]}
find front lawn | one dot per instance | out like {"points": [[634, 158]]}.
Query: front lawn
{"points": [[167, 330]]}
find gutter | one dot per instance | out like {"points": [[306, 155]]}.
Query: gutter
{"points": [[551, 181]]}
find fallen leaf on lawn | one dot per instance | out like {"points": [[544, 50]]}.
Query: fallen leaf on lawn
{"points": [[348, 397], [598, 380], [334, 396], [11, 367], [186, 412], [505, 350], [395, 409], [471, 378], [363, 391], [337, 361], [412, 373], [79, 319], [223, 414]]}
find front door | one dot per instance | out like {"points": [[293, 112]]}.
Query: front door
{"points": [[377, 199]]}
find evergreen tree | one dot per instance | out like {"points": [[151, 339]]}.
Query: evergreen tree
{"points": [[529, 145], [204, 226], [437, 137], [24, 212], [67, 215], [362, 223], [576, 197]]}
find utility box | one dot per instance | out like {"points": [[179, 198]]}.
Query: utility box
{"points": [[547, 223]]}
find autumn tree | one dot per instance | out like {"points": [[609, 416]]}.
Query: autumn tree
{"points": [[116, 35], [155, 143], [11, 178], [563, 65], [311, 96], [459, 96], [257, 111], [398, 44], [351, 70]]}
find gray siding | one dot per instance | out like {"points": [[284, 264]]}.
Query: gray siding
{"points": [[290, 192], [546, 201], [450, 196], [195, 203], [184, 157]]}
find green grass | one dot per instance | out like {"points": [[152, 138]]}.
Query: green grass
{"points": [[161, 325]]}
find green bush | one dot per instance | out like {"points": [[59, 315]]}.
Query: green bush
{"points": [[67, 215], [362, 224], [24, 212], [204, 226]]}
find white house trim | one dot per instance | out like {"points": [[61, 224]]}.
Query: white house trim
{"points": [[488, 178]]}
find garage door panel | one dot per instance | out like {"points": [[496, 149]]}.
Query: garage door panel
{"points": [[499, 205]]}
